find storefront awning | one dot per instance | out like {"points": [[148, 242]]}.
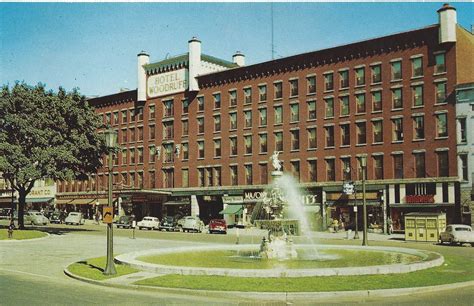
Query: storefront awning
{"points": [[418, 205], [177, 203], [352, 203], [6, 200], [83, 201], [38, 200], [232, 210]]}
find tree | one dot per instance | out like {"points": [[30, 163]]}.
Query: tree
{"points": [[46, 135]]}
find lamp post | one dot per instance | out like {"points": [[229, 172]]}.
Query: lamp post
{"points": [[363, 165], [110, 140], [349, 189]]}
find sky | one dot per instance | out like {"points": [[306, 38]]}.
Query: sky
{"points": [[94, 46]]}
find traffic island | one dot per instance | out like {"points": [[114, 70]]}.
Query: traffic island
{"points": [[93, 269], [21, 235]]}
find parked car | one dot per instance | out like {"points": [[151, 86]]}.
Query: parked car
{"points": [[75, 218], [217, 226], [193, 224], [168, 223], [34, 217], [5, 213], [149, 223], [179, 223], [55, 217], [125, 221], [457, 234]]}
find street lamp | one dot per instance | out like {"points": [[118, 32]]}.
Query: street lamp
{"points": [[349, 189], [363, 165], [110, 141]]}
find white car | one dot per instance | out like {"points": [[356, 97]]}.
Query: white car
{"points": [[35, 218], [74, 218], [149, 223], [457, 234], [193, 224]]}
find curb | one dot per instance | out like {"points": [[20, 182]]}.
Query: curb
{"points": [[24, 240], [280, 296]]}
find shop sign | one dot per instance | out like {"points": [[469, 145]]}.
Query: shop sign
{"points": [[167, 83], [232, 199], [262, 196], [42, 192], [419, 198]]}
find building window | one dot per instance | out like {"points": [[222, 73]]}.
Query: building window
{"points": [[234, 175], [344, 105], [108, 118], [248, 175], [417, 67], [262, 121], [200, 104], [139, 114], [279, 141], [361, 133], [168, 130], [115, 118], [132, 115], [140, 133], [217, 148], [217, 123], [311, 84], [442, 125], [209, 176], [418, 127], [311, 110], [329, 136], [440, 63], [396, 71], [140, 155], [185, 148], [217, 100], [151, 132], [263, 143], [263, 173], [152, 112], [200, 149], [344, 79], [233, 146], [398, 166], [397, 98], [248, 144], [169, 150], [201, 177], [312, 170], [417, 92], [185, 103], [376, 74], [329, 102], [217, 176], [168, 108], [248, 118], [378, 167], [420, 164], [397, 128], [345, 165], [294, 112], [328, 82], [233, 97], [360, 103], [293, 88], [248, 95], [233, 121], [345, 135], [124, 157], [262, 93], [185, 127], [152, 152], [140, 179], [377, 101], [278, 89], [462, 130], [131, 152], [464, 166], [295, 140], [124, 116], [330, 169], [443, 164], [278, 114], [360, 76], [377, 128], [200, 122], [132, 134], [185, 178], [312, 138], [124, 136], [441, 92], [295, 170]]}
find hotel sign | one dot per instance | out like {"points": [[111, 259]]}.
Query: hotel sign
{"points": [[252, 196], [167, 83]]}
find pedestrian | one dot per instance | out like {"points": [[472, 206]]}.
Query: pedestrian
{"points": [[97, 215], [11, 227], [335, 225], [390, 226]]}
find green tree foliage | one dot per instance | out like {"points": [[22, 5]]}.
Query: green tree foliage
{"points": [[44, 134]]}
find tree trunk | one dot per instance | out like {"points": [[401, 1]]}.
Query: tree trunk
{"points": [[21, 208]]}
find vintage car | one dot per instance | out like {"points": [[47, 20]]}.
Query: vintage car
{"points": [[74, 218], [217, 226], [35, 218], [168, 223], [192, 224], [457, 234], [149, 223], [125, 222]]}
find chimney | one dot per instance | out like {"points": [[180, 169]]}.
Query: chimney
{"points": [[239, 59], [447, 24], [194, 46], [143, 59]]}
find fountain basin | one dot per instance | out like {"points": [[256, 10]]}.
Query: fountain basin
{"points": [[419, 260]]}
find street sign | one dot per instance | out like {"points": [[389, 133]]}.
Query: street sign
{"points": [[108, 216]]}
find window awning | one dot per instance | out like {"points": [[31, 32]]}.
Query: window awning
{"points": [[232, 210], [83, 201], [38, 200]]}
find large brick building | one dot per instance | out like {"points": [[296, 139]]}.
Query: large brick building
{"points": [[198, 133]]}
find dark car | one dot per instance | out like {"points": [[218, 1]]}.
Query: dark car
{"points": [[168, 223], [55, 217], [217, 226], [125, 221]]}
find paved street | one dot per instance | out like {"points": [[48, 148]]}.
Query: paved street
{"points": [[31, 272]]}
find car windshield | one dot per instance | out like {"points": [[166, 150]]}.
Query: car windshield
{"points": [[462, 229], [74, 214]]}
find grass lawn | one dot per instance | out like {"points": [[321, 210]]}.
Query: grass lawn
{"points": [[21, 234], [93, 269], [456, 269]]}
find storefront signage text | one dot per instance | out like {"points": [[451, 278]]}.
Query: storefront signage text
{"points": [[420, 198], [167, 83], [258, 196]]}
